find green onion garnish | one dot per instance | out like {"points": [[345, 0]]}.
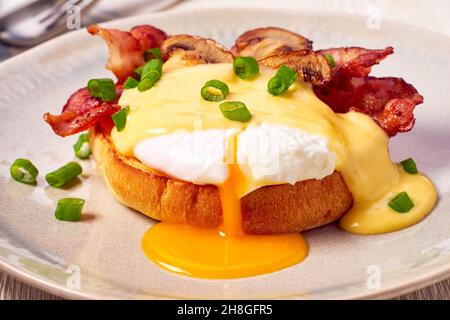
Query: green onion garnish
{"points": [[145, 85], [276, 86], [214, 90], [130, 83], [120, 117], [401, 203], [153, 53], [104, 89], [81, 147], [150, 67], [138, 71], [286, 74], [150, 74], [235, 110], [69, 209], [409, 166], [24, 171], [282, 80], [331, 60], [64, 175], [245, 67]]}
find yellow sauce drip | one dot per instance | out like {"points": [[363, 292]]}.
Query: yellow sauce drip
{"points": [[360, 145]]}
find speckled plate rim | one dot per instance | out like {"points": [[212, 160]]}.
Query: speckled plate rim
{"points": [[429, 278]]}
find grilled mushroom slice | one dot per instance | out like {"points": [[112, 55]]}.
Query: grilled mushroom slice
{"points": [[312, 67], [185, 50], [264, 42]]}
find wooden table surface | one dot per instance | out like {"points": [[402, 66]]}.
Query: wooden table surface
{"points": [[432, 17]]}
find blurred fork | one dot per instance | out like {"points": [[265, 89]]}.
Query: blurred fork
{"points": [[38, 21]]}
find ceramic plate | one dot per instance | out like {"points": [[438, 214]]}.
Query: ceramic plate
{"points": [[103, 250]]}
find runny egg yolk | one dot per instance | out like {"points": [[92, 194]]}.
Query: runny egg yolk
{"points": [[360, 146], [226, 252]]}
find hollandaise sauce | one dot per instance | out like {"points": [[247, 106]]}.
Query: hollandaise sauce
{"points": [[362, 157]]}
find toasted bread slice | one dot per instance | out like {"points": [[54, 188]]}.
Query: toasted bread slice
{"points": [[267, 210]]}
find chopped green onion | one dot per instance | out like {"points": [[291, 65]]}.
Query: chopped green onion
{"points": [[245, 67], [150, 67], [409, 166], [145, 85], [215, 90], [153, 53], [120, 117], [401, 203], [331, 61], [104, 89], [286, 74], [130, 83], [282, 80], [64, 175], [150, 74], [138, 71], [69, 209], [235, 110], [81, 147], [276, 86], [24, 171]]}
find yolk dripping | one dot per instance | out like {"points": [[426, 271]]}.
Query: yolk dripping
{"points": [[226, 252]]}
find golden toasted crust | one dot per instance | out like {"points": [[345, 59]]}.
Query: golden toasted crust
{"points": [[272, 209]]}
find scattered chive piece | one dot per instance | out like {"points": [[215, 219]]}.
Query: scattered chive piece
{"points": [[145, 85], [64, 175], [235, 110], [120, 117], [151, 66], [150, 74], [24, 171], [245, 67], [401, 203], [409, 165], [138, 71], [331, 60], [130, 83], [69, 209], [286, 74], [214, 90], [104, 89], [282, 80], [153, 53], [276, 86], [81, 147]]}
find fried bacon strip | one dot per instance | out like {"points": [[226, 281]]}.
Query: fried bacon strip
{"points": [[185, 50], [261, 43], [81, 112], [389, 101], [126, 49], [354, 62], [347, 86]]}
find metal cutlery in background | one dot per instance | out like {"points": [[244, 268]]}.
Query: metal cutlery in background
{"points": [[39, 21]]}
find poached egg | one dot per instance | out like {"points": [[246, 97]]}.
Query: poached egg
{"points": [[290, 138]]}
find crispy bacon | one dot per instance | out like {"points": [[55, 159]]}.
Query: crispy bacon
{"points": [[355, 61], [126, 49], [81, 112], [389, 101], [348, 86]]}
